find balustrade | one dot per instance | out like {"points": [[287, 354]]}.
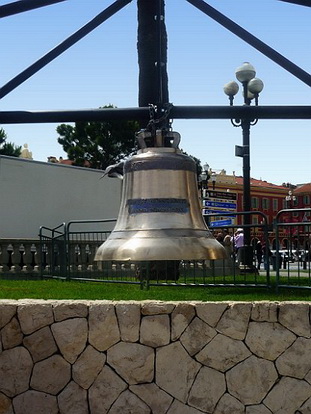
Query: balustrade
{"points": [[19, 256], [28, 256]]}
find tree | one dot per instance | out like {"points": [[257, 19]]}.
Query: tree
{"points": [[8, 148], [199, 168], [98, 144]]}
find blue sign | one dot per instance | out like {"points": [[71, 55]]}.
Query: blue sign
{"points": [[220, 223], [218, 204], [208, 211]]}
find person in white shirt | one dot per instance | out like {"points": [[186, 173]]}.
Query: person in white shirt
{"points": [[238, 242]]}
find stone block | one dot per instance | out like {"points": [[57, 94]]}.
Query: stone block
{"points": [[172, 362], [158, 400], [295, 316], [73, 400], [155, 330], [87, 367], [179, 408], [128, 403], [268, 340], [234, 321], [128, 315], [223, 353], [15, 370], [5, 405], [181, 316], [51, 375], [69, 309], [40, 344], [11, 334], [133, 362], [211, 312], [103, 326], [209, 386], [71, 336], [105, 390], [296, 360], [264, 312], [7, 311], [251, 380], [229, 405], [197, 335], [34, 316], [35, 402], [287, 396], [257, 409], [156, 308]]}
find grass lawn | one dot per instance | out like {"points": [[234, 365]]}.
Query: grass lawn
{"points": [[57, 289]]}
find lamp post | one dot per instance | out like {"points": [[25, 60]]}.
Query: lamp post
{"points": [[204, 177], [289, 200], [214, 178], [252, 87]]}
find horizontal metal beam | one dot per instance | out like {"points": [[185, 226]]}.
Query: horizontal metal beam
{"points": [[143, 113], [241, 112], [24, 5]]}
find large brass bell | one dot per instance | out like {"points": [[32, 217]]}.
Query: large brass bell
{"points": [[160, 216]]}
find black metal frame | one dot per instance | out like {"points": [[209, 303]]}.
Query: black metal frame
{"points": [[185, 112]]}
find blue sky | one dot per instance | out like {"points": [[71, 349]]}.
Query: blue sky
{"points": [[102, 68]]}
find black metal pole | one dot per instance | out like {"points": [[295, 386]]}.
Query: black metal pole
{"points": [[299, 2], [245, 124], [24, 5], [143, 113], [62, 47], [247, 253], [253, 41]]}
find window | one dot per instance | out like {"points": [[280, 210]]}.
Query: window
{"points": [[255, 203], [265, 203], [306, 200], [275, 204], [255, 220]]}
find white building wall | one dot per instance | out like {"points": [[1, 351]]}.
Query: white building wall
{"points": [[34, 194]]}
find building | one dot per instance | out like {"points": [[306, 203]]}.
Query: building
{"points": [[302, 194], [266, 197], [268, 200], [35, 194]]}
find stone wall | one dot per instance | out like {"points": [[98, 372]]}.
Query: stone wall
{"points": [[99, 357]]}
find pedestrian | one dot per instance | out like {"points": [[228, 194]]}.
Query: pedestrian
{"points": [[220, 237], [238, 243], [266, 255], [259, 253]]}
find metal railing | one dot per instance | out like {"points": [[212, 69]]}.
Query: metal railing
{"points": [[68, 251], [293, 248], [71, 250]]}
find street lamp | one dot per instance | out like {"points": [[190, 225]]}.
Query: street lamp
{"points": [[214, 178], [252, 87], [290, 200], [204, 177]]}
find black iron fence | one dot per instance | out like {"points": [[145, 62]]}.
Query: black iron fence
{"points": [[293, 248], [278, 255]]}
